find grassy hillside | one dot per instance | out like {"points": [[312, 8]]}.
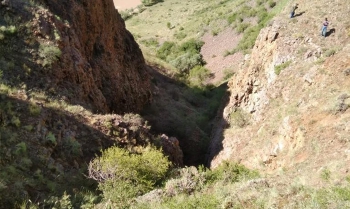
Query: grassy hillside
{"points": [[178, 22]]}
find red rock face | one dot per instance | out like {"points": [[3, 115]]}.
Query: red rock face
{"points": [[101, 63]]}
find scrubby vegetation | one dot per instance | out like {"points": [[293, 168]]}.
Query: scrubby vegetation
{"points": [[281, 67], [183, 57], [123, 176], [246, 17]]}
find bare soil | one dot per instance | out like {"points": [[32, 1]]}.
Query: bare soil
{"points": [[214, 50], [126, 4]]}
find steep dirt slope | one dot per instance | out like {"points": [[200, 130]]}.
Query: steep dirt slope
{"points": [[295, 120]]}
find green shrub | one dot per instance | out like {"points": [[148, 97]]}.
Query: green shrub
{"points": [[123, 175], [187, 61], [230, 172], [239, 118], [189, 179], [21, 149], [260, 2], [63, 202], [152, 42], [25, 163], [326, 174], [242, 27], [180, 35], [214, 32], [329, 52], [34, 109], [10, 30], [247, 11], [228, 73], [342, 193], [281, 67], [165, 50], [183, 57], [198, 74], [192, 45], [49, 53], [50, 139], [262, 15], [72, 147], [15, 121], [248, 39], [232, 18], [272, 4]]}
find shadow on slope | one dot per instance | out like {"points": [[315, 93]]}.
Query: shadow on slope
{"points": [[185, 112], [45, 151]]}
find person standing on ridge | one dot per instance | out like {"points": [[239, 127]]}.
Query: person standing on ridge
{"points": [[324, 27], [295, 7]]}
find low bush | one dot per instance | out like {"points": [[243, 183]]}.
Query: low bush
{"points": [[34, 109], [228, 73], [10, 30], [50, 140], [49, 53], [165, 50], [123, 175], [242, 27], [150, 42], [189, 179], [248, 39], [232, 18], [230, 172], [183, 57], [262, 15], [192, 45], [239, 118], [186, 62], [272, 4], [198, 74], [260, 2], [329, 52], [247, 11], [72, 147], [180, 35], [281, 67]]}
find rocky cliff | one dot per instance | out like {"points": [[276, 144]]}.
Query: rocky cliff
{"points": [[85, 54], [61, 62], [288, 105]]}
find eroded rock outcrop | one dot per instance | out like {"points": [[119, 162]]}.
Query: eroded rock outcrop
{"points": [[249, 88], [88, 56], [286, 105]]}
